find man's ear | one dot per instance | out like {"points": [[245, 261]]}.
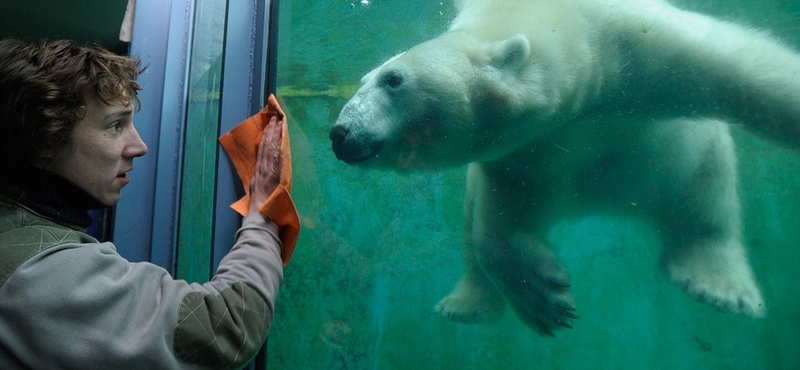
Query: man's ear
{"points": [[512, 53], [46, 155]]}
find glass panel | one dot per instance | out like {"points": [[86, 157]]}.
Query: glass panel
{"points": [[200, 146], [379, 249]]}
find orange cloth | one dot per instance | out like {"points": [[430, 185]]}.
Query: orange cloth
{"points": [[241, 144]]}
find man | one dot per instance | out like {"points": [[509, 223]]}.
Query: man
{"points": [[67, 301]]}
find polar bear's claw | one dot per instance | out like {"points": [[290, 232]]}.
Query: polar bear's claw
{"points": [[543, 306]]}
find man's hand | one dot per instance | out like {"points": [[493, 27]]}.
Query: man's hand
{"points": [[267, 173]]}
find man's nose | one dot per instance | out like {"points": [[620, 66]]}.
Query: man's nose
{"points": [[136, 147]]}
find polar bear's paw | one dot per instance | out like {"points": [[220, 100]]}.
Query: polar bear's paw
{"points": [[720, 277], [545, 303], [472, 302], [536, 285]]}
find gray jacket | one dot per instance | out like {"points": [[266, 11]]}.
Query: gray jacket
{"points": [[68, 301]]}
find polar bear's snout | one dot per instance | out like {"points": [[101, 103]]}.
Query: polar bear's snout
{"points": [[350, 147]]}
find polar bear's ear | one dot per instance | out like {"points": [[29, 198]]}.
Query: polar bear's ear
{"points": [[512, 52]]}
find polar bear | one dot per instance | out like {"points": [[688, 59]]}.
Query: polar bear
{"points": [[578, 105]]}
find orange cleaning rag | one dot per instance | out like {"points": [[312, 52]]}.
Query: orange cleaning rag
{"points": [[241, 144]]}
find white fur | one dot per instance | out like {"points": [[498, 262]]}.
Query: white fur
{"points": [[562, 107]]}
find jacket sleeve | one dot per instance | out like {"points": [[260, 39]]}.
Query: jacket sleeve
{"points": [[82, 306]]}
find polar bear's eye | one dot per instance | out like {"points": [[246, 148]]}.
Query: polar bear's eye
{"points": [[393, 79]]}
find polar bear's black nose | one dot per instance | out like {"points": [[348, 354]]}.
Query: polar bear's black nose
{"points": [[337, 135], [348, 148]]}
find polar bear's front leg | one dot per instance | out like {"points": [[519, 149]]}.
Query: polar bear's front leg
{"points": [[475, 298], [508, 257], [532, 279]]}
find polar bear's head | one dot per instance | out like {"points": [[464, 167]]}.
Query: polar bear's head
{"points": [[449, 101]]}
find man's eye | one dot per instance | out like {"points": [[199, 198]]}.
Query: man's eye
{"points": [[116, 126]]}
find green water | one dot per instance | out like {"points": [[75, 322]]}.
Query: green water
{"points": [[378, 250]]}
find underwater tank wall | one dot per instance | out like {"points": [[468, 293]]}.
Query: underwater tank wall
{"points": [[378, 249]]}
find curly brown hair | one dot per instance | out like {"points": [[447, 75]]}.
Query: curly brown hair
{"points": [[44, 87]]}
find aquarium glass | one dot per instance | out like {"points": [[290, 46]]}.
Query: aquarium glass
{"points": [[379, 249]]}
